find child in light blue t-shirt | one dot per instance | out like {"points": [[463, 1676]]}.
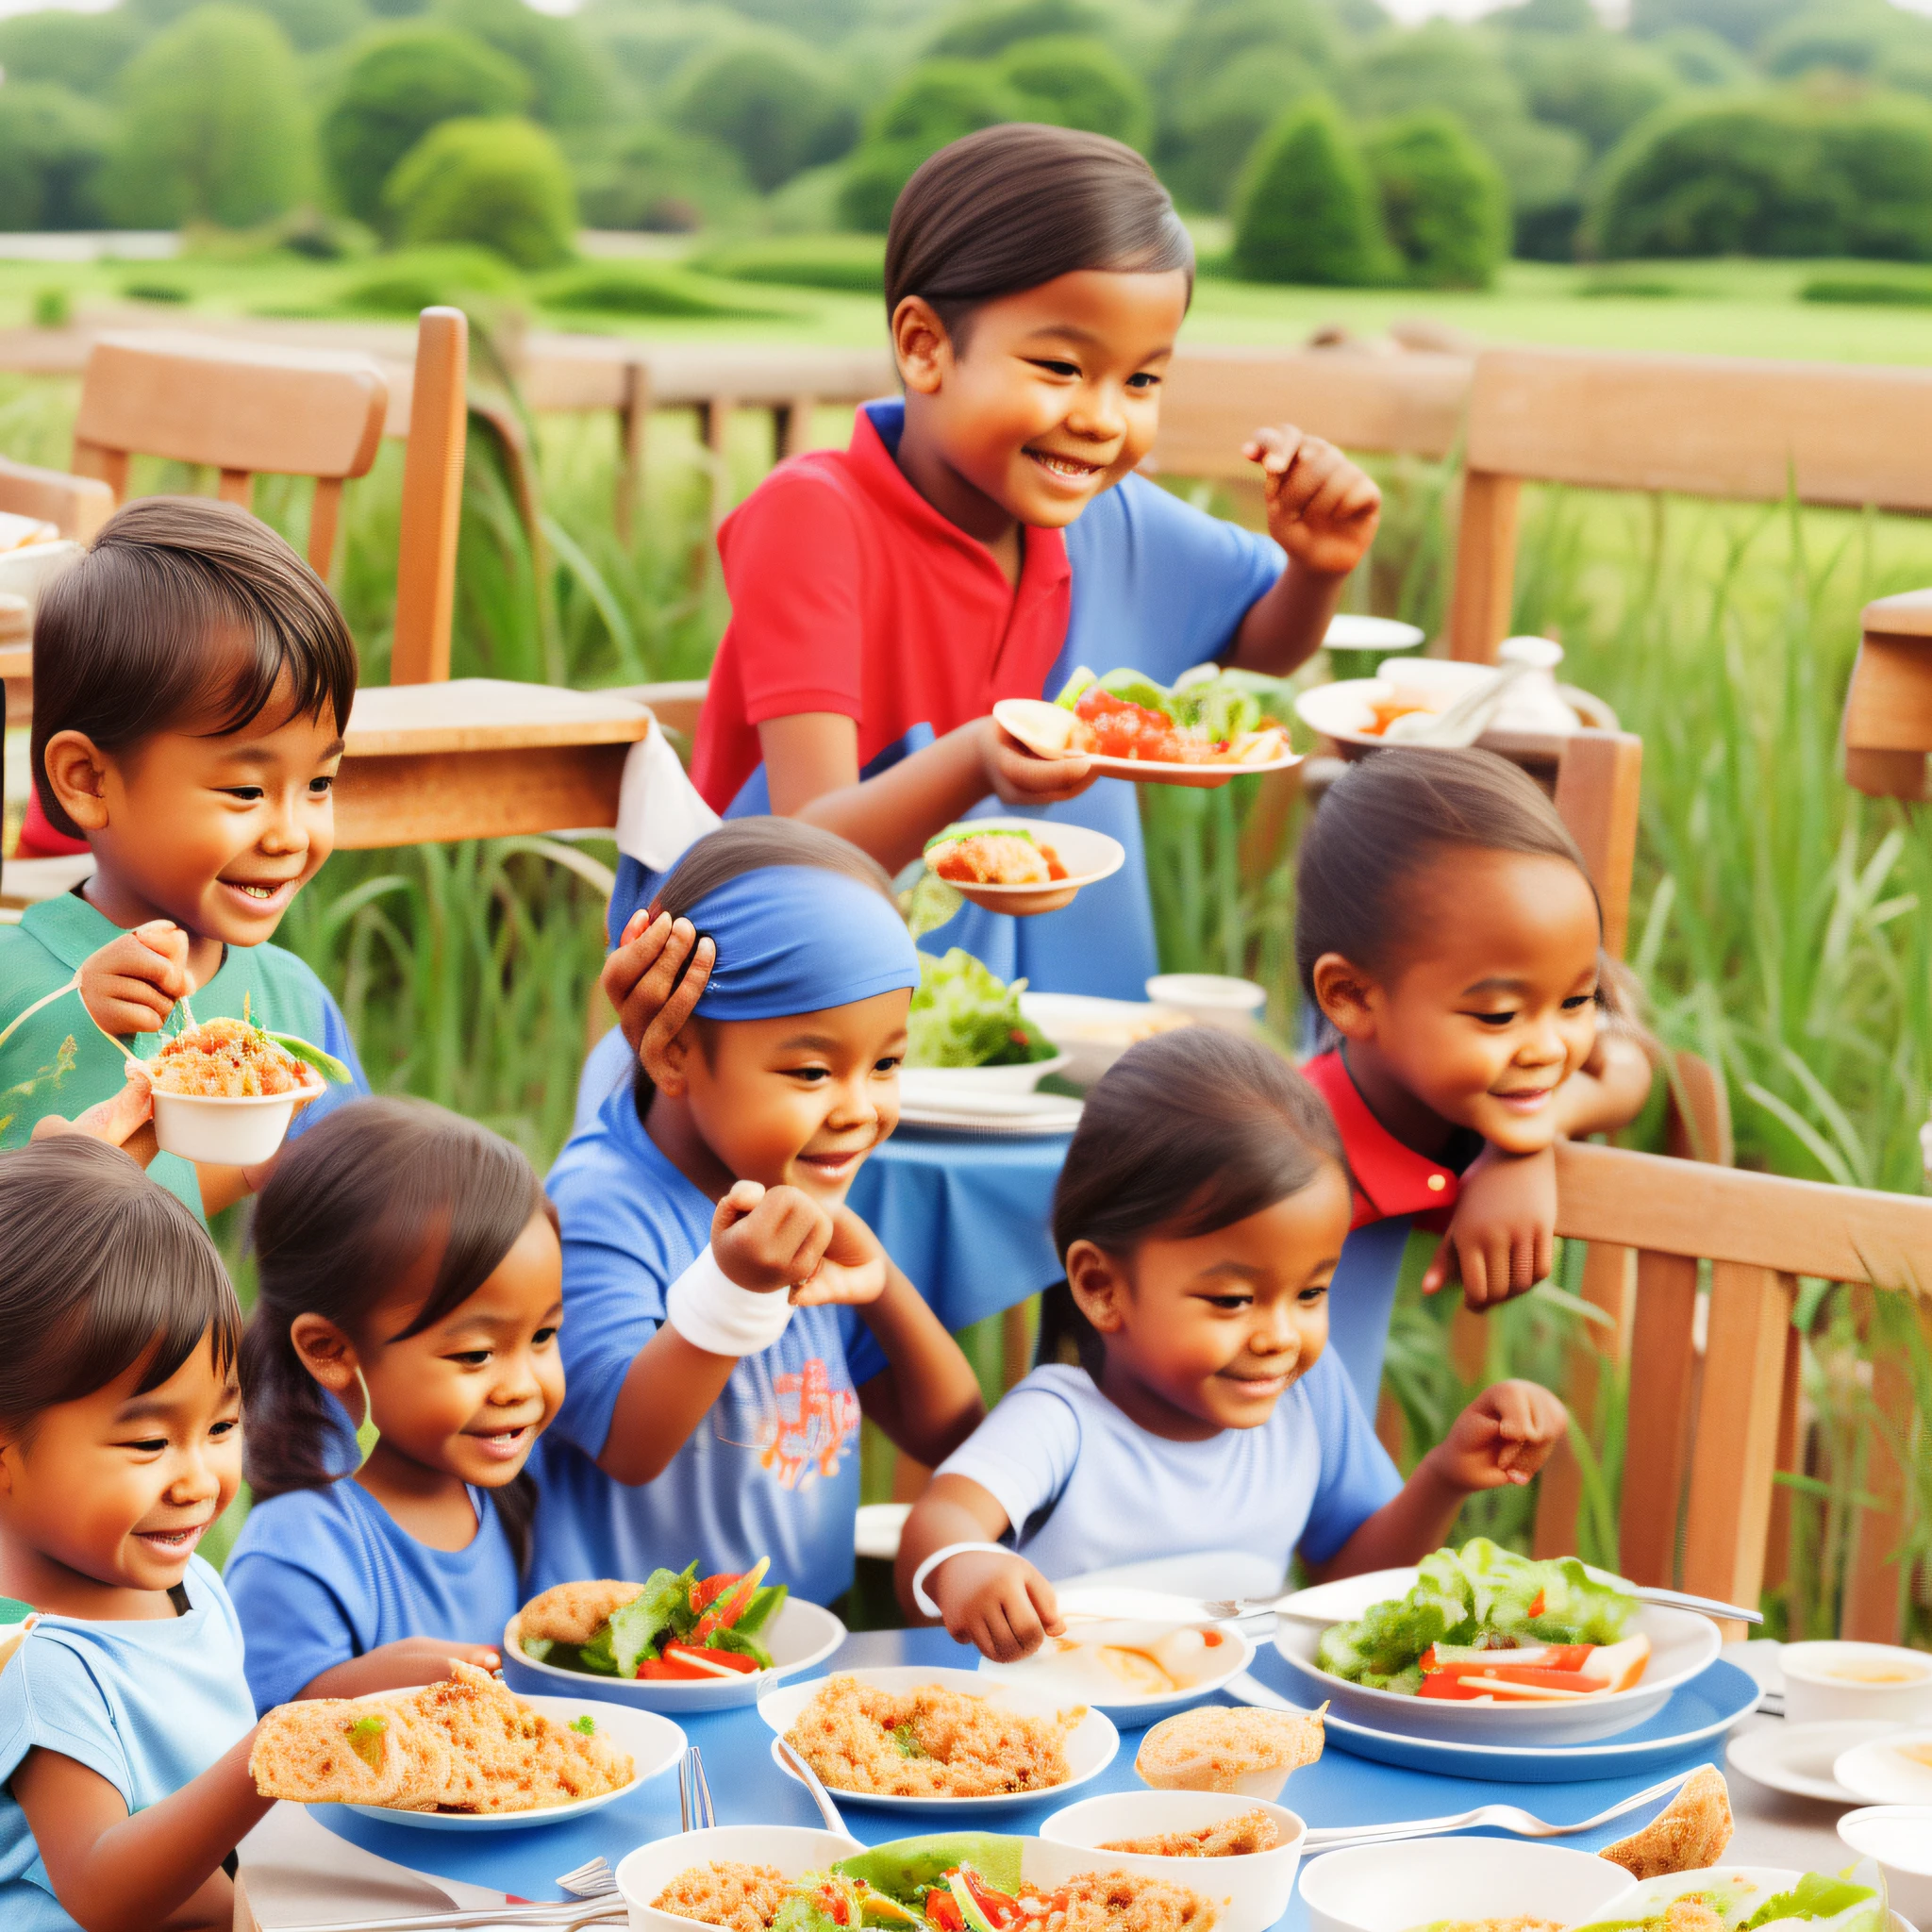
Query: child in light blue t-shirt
{"points": [[411, 1276], [125, 1717], [1200, 1217]]}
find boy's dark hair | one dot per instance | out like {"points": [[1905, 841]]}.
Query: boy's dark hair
{"points": [[350, 1206], [750, 844], [1387, 818], [102, 1270], [1185, 1133], [1012, 206], [124, 640]]}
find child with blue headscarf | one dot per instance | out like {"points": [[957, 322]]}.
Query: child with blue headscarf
{"points": [[728, 1319]]}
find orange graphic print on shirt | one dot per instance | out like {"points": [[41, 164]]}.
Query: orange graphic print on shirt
{"points": [[800, 1425]]}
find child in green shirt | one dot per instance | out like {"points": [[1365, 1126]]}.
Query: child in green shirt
{"points": [[193, 678]]}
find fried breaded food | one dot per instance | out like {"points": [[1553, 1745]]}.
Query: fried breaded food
{"points": [[575, 1612], [1213, 1748], [994, 859], [342, 1750], [1239, 1837], [744, 1897], [227, 1059], [1689, 1833], [506, 1757], [928, 1742]]}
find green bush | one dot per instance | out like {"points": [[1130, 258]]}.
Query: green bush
{"points": [[1076, 82], [53, 306], [1307, 208], [657, 179], [1845, 36], [935, 104], [52, 145], [567, 87], [772, 102], [1445, 208], [411, 280], [1772, 174], [400, 84], [979, 32], [1597, 84], [501, 183], [311, 25], [1701, 57], [1216, 38], [213, 126], [84, 51], [640, 288], [1206, 142], [1887, 291], [854, 263], [1743, 23]]}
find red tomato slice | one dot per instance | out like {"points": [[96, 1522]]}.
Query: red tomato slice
{"points": [[942, 1912], [674, 1670], [733, 1604], [705, 1594], [701, 1655]]}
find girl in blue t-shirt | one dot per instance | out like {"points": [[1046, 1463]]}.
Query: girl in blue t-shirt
{"points": [[411, 1279], [124, 1718], [1200, 1217], [730, 1318]]}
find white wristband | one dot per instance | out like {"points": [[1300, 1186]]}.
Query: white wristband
{"points": [[933, 1562], [713, 1313]]}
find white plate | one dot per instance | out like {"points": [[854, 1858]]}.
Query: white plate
{"points": [[1341, 710], [1879, 1770], [654, 1742], [1014, 716], [1417, 1881], [800, 1636], [942, 1086], [994, 1113], [1682, 1645], [1088, 855], [1797, 1758], [1090, 1745], [1092, 1031], [793, 1848], [1236, 1653]]}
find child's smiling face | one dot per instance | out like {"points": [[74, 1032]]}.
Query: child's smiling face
{"points": [[1208, 1332], [1052, 397], [117, 1489]]}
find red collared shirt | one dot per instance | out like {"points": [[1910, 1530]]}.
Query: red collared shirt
{"points": [[850, 593], [1389, 1179]]}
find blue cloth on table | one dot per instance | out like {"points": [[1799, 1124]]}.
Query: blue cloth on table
{"points": [[319, 1577], [771, 1470], [147, 1706], [1086, 1488]]}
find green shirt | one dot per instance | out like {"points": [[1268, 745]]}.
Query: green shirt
{"points": [[59, 1061]]}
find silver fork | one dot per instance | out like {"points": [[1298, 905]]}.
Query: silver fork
{"points": [[593, 1878], [567, 1913], [816, 1786], [1329, 1838], [695, 1811]]}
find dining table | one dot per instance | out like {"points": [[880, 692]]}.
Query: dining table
{"points": [[358, 1866]]}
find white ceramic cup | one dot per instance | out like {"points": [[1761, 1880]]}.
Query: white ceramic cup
{"points": [[1836, 1680], [1900, 1838], [1211, 999]]}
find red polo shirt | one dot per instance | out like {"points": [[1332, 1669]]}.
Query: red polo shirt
{"points": [[850, 593], [1390, 1179]]}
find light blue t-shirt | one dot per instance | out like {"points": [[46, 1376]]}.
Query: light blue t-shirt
{"points": [[147, 1706], [1086, 1488], [322, 1576], [772, 1471]]}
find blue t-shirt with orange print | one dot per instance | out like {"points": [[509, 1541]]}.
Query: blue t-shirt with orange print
{"points": [[773, 1469]]}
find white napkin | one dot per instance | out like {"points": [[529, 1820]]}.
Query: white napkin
{"points": [[660, 812], [295, 1871]]}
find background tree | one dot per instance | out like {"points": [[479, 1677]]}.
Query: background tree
{"points": [[52, 145], [400, 83], [1445, 208], [975, 33], [502, 183], [1308, 208], [1743, 23], [935, 104], [213, 126], [81, 50], [567, 90], [772, 102], [654, 177], [1076, 82]]}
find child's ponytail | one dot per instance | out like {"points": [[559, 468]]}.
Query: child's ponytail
{"points": [[351, 1206]]}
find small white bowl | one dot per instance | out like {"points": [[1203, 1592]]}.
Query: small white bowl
{"points": [[1094, 1032], [793, 1848], [227, 1133], [1836, 1680], [1893, 1768], [1212, 999], [1415, 1882], [1252, 1890], [1899, 1838], [1089, 856]]}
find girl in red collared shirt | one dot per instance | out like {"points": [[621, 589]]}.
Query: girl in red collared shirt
{"points": [[1448, 929]]}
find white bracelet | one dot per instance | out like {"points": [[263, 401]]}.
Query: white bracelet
{"points": [[933, 1562], [713, 1313]]}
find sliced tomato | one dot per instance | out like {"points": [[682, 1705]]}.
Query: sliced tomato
{"points": [[733, 1604], [942, 1914], [1000, 1907], [672, 1670], [711, 1661], [1536, 1610], [705, 1594], [836, 1904]]}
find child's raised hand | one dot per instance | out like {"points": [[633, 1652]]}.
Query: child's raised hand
{"points": [[641, 971], [1322, 510], [1501, 1239], [769, 1239], [1504, 1435], [1001, 1605], [853, 1269], [400, 1666], [131, 984], [117, 1121]]}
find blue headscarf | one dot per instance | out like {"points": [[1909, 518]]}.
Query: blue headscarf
{"points": [[797, 939]]}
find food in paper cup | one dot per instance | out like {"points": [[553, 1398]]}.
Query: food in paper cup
{"points": [[1213, 1748], [225, 1091]]}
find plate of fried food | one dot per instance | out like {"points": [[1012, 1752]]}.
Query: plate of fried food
{"points": [[910, 1737], [225, 1091], [464, 1755], [1209, 727], [677, 1641], [1022, 866], [748, 1878]]}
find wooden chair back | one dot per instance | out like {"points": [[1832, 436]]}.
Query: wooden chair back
{"points": [[432, 498], [1699, 426], [242, 409], [1887, 724], [1701, 1447]]}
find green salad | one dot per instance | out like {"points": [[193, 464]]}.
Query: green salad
{"points": [[1851, 1901], [965, 1016], [1223, 704], [1480, 1595]]}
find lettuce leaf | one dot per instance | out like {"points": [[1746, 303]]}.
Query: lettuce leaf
{"points": [[963, 1015], [762, 1608], [634, 1627]]}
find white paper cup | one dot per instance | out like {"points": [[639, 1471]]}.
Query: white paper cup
{"points": [[1211, 999], [226, 1133], [1836, 1681]]}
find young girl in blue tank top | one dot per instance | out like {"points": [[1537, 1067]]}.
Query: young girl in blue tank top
{"points": [[411, 1279]]}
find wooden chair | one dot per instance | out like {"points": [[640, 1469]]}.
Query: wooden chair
{"points": [[76, 507], [1699, 426], [1888, 728]]}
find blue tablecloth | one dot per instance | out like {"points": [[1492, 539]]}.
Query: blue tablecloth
{"points": [[748, 1789]]}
